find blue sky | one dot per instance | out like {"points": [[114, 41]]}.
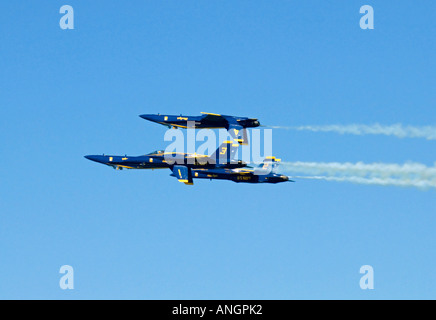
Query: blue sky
{"points": [[141, 234]]}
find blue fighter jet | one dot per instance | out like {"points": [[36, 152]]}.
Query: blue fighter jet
{"points": [[236, 126], [264, 173], [186, 166]]}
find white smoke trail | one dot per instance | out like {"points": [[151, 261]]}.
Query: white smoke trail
{"points": [[397, 130], [374, 181], [406, 175]]}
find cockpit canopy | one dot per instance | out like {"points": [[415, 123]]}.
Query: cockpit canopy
{"points": [[156, 152]]}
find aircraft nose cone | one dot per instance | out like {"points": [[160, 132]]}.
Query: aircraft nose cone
{"points": [[94, 158], [149, 117]]}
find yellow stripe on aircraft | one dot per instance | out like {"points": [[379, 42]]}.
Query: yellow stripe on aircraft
{"points": [[212, 114]]}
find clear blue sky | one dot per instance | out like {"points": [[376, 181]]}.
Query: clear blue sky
{"points": [[143, 235]]}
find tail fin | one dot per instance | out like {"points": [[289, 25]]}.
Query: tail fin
{"points": [[183, 174], [224, 153], [270, 164], [239, 134]]}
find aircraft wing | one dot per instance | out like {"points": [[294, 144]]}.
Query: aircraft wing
{"points": [[213, 117], [237, 132], [183, 174], [238, 171]]}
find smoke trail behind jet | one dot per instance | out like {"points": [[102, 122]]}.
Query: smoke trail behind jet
{"points": [[397, 130], [406, 175]]}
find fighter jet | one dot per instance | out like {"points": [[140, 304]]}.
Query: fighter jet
{"points": [[186, 166], [181, 162], [235, 125], [264, 173]]}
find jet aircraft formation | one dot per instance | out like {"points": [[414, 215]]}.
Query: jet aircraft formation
{"points": [[187, 166]]}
